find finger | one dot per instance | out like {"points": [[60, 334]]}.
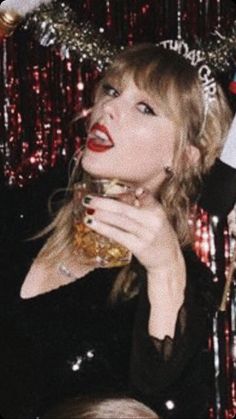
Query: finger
{"points": [[141, 215], [124, 238], [109, 204], [124, 223], [152, 218]]}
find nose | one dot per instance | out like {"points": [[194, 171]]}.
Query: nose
{"points": [[111, 108]]}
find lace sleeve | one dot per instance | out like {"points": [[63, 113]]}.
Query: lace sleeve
{"points": [[161, 368], [165, 346]]}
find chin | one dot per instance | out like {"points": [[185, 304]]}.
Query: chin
{"points": [[105, 167], [95, 168]]}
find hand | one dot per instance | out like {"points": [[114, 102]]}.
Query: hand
{"points": [[144, 230]]}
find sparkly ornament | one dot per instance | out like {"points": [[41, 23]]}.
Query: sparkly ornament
{"points": [[197, 59], [9, 20], [216, 248], [228, 281], [220, 49], [21, 7], [56, 24], [13, 11]]}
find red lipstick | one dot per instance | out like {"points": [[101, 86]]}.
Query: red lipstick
{"points": [[99, 139]]}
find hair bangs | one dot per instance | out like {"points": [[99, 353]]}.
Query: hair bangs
{"points": [[151, 77]]}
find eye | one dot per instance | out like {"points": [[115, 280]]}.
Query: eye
{"points": [[145, 109], [109, 90]]}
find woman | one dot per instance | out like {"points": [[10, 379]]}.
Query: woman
{"points": [[148, 128]]}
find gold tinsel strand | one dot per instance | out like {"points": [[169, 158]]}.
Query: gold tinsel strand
{"points": [[9, 20], [55, 24]]}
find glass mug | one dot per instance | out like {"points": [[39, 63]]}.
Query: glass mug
{"points": [[92, 246]]}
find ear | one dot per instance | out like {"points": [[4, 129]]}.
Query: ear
{"points": [[193, 154]]}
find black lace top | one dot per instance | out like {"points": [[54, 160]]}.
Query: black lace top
{"points": [[71, 341]]}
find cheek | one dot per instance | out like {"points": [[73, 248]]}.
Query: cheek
{"points": [[153, 148], [149, 139], [163, 140]]}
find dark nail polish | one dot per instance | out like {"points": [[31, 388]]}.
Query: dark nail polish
{"points": [[87, 199], [88, 220], [90, 211]]}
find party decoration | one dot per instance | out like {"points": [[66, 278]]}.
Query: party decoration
{"points": [[216, 248], [13, 11], [228, 282], [220, 49], [21, 7], [232, 222], [38, 130], [55, 24], [196, 58], [9, 20]]}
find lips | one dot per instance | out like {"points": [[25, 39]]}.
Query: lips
{"points": [[99, 139]]}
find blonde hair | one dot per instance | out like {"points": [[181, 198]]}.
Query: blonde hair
{"points": [[101, 408], [173, 82]]}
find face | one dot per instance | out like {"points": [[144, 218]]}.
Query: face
{"points": [[129, 137]]}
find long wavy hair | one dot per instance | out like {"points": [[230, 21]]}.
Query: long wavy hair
{"points": [[174, 84]]}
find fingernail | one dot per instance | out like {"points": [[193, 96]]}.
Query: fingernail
{"points": [[87, 199], [88, 220], [90, 211]]}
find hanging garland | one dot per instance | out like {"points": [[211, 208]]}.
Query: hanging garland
{"points": [[55, 24], [220, 49], [12, 13], [21, 7]]}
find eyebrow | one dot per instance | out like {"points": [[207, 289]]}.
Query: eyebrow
{"points": [[147, 97]]}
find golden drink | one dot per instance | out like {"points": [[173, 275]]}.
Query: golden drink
{"points": [[91, 246]]}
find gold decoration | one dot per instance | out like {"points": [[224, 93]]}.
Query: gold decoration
{"points": [[9, 20], [55, 24]]}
